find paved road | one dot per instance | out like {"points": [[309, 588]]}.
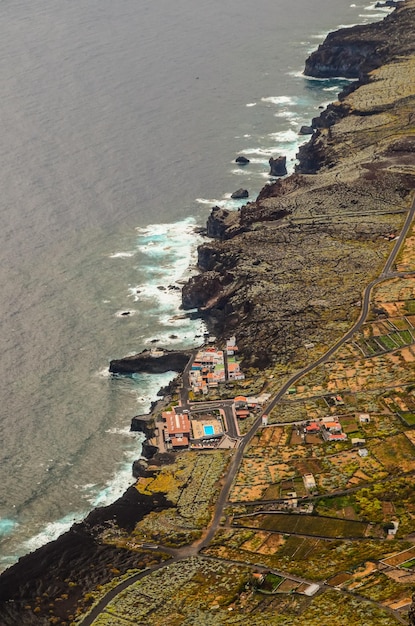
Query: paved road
{"points": [[237, 457]]}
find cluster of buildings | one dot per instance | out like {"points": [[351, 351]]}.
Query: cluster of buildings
{"points": [[212, 367], [328, 427], [244, 405], [182, 430]]}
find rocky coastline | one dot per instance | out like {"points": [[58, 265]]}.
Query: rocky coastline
{"points": [[261, 275]]}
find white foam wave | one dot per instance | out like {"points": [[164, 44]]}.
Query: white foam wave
{"points": [[122, 255], [104, 373], [239, 171], [285, 136], [251, 104], [373, 16], [266, 152], [52, 531], [286, 114], [126, 432], [210, 201], [279, 100]]}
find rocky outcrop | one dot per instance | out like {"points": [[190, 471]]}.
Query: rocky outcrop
{"points": [[146, 362], [204, 287], [292, 266], [54, 578], [353, 52], [240, 194], [143, 424], [306, 130], [221, 223], [242, 160], [278, 166]]}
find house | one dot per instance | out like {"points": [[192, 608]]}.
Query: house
{"points": [[333, 427], [356, 442], [241, 402], [312, 428], [335, 437], [234, 372], [364, 418], [242, 413], [231, 346], [177, 428], [309, 482]]}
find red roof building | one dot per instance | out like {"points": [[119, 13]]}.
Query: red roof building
{"points": [[176, 424], [313, 427]]}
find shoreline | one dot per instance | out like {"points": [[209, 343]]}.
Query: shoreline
{"points": [[84, 533]]}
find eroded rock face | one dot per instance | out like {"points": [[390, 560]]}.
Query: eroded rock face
{"points": [[353, 52], [172, 360], [204, 287], [297, 258], [278, 166], [221, 222]]}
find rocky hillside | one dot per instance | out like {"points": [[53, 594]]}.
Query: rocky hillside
{"points": [[289, 268]]}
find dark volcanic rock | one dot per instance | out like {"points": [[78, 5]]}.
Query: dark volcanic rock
{"points": [[241, 160], [72, 565], [221, 223], [240, 193], [148, 451], [306, 130], [353, 52], [143, 424], [144, 362], [202, 288], [278, 166]]}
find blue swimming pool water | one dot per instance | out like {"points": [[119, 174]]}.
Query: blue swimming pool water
{"points": [[208, 430]]}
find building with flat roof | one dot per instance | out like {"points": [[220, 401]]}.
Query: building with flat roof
{"points": [[177, 428], [309, 482]]}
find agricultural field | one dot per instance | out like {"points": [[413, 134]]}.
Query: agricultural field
{"points": [[190, 484], [305, 525], [396, 452], [195, 586], [406, 257], [247, 606], [402, 402], [278, 458], [309, 557], [383, 336], [377, 373], [378, 503]]}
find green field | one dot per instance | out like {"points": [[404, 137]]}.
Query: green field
{"points": [[305, 525], [408, 417]]}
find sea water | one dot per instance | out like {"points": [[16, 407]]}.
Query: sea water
{"points": [[120, 125]]}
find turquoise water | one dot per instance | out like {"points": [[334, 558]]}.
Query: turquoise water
{"points": [[208, 430]]}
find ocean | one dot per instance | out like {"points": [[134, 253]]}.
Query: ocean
{"points": [[120, 125]]}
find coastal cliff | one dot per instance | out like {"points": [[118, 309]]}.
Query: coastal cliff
{"points": [[286, 270], [150, 362]]}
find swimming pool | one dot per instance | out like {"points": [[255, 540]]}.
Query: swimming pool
{"points": [[208, 429]]}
